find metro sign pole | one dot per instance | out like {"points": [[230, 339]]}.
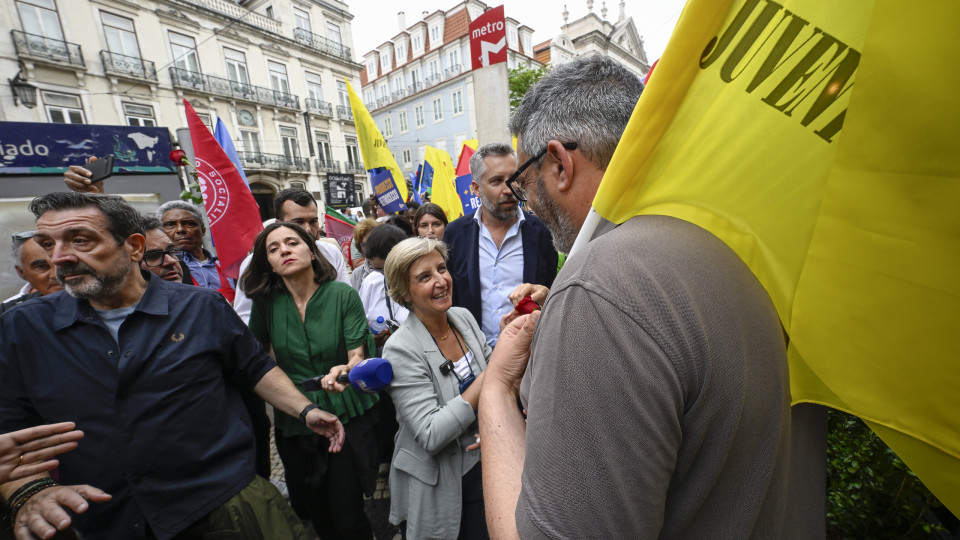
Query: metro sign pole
{"points": [[491, 96]]}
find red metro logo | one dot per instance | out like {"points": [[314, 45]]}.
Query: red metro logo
{"points": [[213, 188]]}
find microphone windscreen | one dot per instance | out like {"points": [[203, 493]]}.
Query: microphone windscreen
{"points": [[371, 375]]}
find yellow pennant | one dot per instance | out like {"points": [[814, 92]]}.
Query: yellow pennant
{"points": [[444, 190], [373, 147]]}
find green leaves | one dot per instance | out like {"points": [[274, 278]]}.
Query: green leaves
{"points": [[520, 80]]}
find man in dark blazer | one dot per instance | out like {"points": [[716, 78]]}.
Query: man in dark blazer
{"points": [[498, 248]]}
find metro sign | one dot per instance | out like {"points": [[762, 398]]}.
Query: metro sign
{"points": [[488, 38]]}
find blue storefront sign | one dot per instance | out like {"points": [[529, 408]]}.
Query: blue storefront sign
{"points": [[35, 148]]}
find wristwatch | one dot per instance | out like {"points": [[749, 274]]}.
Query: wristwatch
{"points": [[306, 410]]}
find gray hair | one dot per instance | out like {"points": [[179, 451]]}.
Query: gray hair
{"points": [[478, 167], [180, 205], [17, 241], [121, 217], [588, 101], [396, 269]]}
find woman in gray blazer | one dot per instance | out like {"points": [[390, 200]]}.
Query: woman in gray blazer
{"points": [[438, 356]]}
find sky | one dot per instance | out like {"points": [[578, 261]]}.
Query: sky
{"points": [[375, 21]]}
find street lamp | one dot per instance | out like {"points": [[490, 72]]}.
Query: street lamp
{"points": [[23, 92]]}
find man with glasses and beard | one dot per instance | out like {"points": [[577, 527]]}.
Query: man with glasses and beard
{"points": [[498, 248], [150, 370]]}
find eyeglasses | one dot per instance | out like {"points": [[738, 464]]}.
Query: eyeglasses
{"points": [[513, 182], [156, 257], [21, 237]]}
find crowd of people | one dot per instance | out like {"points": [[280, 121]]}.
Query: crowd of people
{"points": [[650, 399]]}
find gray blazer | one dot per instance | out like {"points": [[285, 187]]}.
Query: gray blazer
{"points": [[429, 457]]}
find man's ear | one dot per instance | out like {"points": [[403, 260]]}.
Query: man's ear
{"points": [[136, 243], [20, 272], [563, 163], [474, 188]]}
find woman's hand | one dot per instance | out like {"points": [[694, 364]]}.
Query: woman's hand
{"points": [[329, 382]]}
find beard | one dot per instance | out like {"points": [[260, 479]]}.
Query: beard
{"points": [[563, 229], [98, 285], [493, 207]]}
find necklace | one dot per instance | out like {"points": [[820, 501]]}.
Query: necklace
{"points": [[445, 336]]}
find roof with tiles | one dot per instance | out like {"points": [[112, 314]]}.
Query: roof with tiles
{"points": [[456, 26], [541, 52]]}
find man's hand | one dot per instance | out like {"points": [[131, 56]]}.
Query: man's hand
{"points": [[29, 451], [537, 293], [45, 514], [77, 178], [381, 338], [328, 425], [509, 359], [329, 381]]}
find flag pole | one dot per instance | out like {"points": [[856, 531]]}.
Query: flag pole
{"points": [[586, 231]]}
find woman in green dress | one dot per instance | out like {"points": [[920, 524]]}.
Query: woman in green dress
{"points": [[314, 324]]}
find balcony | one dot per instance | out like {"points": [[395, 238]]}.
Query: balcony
{"points": [[47, 49], [239, 90], [452, 71], [344, 113], [273, 162], [192, 80], [128, 66], [433, 80], [383, 101], [327, 165], [356, 168], [323, 108], [234, 11], [414, 88], [322, 44], [398, 95]]}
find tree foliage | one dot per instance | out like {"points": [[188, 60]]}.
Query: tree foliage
{"points": [[521, 79]]}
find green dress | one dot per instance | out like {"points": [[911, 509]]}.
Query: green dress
{"points": [[335, 323]]}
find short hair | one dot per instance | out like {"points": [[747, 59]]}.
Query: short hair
{"points": [[17, 240], [122, 218], [363, 228], [413, 205], [401, 221], [431, 209], [260, 282], [367, 208], [149, 223], [588, 101], [300, 197], [478, 167], [382, 240], [396, 269], [180, 205]]}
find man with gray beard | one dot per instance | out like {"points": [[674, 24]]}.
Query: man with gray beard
{"points": [[151, 370], [500, 253]]}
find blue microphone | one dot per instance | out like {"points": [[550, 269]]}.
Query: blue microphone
{"points": [[370, 376]]}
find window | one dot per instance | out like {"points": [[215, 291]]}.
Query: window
{"points": [[441, 144], [512, 38], [63, 108], [458, 142], [437, 105], [418, 114], [342, 94], [184, 52], [402, 121], [333, 33], [139, 115], [385, 62], [526, 45], [314, 86], [278, 77], [396, 84], [388, 127], [421, 152], [251, 141], [288, 138], [353, 152], [121, 36], [417, 43], [415, 80], [323, 146], [301, 19], [401, 53], [269, 11], [236, 66], [39, 17], [383, 91], [434, 67], [457, 102], [435, 35], [372, 69], [407, 156], [368, 97], [453, 58]]}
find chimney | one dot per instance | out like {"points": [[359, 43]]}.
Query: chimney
{"points": [[402, 20], [424, 14]]}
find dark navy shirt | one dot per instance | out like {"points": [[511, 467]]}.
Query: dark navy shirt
{"points": [[166, 432]]}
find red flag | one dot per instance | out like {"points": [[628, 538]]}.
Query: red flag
{"points": [[342, 232], [231, 209], [463, 164]]}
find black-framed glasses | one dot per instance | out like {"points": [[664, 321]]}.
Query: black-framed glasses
{"points": [[21, 237], [513, 182], [155, 257]]}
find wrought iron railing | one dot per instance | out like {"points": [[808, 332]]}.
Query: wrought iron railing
{"points": [[433, 80], [453, 71], [383, 101], [129, 66], [414, 88], [323, 108], [398, 95], [356, 168], [280, 162], [327, 165], [235, 11], [344, 113], [183, 78], [48, 48], [322, 44]]}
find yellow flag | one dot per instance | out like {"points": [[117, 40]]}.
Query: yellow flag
{"points": [[819, 141], [444, 190], [373, 147]]}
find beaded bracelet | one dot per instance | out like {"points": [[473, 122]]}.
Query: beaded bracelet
{"points": [[25, 492]]}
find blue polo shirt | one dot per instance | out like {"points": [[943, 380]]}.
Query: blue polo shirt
{"points": [[166, 432]]}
